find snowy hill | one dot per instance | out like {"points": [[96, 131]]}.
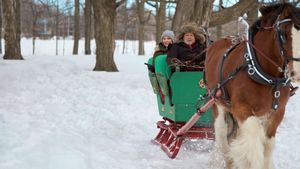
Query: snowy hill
{"points": [[55, 113]]}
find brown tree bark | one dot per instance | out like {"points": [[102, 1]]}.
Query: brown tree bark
{"points": [[141, 26], [76, 28], [18, 26], [104, 17], [35, 15], [87, 27], [231, 13], [219, 27], [125, 30], [183, 12], [12, 31], [56, 26], [192, 11], [160, 19], [253, 13], [200, 12]]}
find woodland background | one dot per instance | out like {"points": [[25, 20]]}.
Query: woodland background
{"points": [[108, 20]]}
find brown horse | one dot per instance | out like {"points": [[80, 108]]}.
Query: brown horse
{"points": [[253, 77]]}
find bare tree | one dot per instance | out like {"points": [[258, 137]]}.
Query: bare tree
{"points": [[34, 23], [104, 16], [141, 27], [18, 26], [253, 13], [56, 26], [183, 12], [125, 22], [219, 27], [35, 11], [0, 27], [87, 27], [201, 13], [76, 28], [12, 31], [232, 13], [160, 19], [192, 11]]}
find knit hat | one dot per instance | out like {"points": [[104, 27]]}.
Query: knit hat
{"points": [[169, 34]]}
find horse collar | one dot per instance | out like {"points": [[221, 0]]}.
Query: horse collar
{"points": [[257, 74]]}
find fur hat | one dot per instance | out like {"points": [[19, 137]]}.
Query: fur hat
{"points": [[169, 34], [192, 28]]}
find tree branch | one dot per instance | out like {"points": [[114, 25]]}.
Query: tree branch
{"points": [[231, 13]]}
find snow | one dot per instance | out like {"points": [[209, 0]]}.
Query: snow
{"points": [[55, 113]]}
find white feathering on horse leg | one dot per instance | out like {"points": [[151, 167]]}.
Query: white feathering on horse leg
{"points": [[247, 150], [221, 133], [269, 147]]}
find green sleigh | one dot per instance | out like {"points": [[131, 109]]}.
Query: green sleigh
{"points": [[178, 97]]}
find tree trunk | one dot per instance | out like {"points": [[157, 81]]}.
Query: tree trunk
{"points": [[76, 28], [34, 24], [56, 27], [202, 10], [219, 27], [160, 19], [201, 13], [125, 32], [18, 21], [0, 26], [33, 34], [253, 13], [124, 39], [231, 13], [141, 27], [184, 11], [11, 10], [87, 27], [192, 11], [104, 16]]}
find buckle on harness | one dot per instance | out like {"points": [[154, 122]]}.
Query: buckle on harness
{"points": [[251, 71], [247, 56], [277, 94]]}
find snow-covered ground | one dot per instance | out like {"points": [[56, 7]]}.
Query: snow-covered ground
{"points": [[55, 113]]}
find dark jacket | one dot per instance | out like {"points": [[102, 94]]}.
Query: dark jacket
{"points": [[184, 52], [161, 49]]}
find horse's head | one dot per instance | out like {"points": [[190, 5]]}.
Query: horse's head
{"points": [[280, 19]]}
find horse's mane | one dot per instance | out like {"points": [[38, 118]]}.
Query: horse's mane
{"points": [[271, 12]]}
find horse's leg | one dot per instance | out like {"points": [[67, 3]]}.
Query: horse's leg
{"points": [[271, 129], [221, 133], [247, 150], [269, 146]]}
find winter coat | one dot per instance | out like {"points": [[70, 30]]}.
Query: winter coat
{"points": [[161, 49], [184, 52]]}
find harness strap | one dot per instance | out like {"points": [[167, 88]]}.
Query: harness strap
{"points": [[221, 79], [276, 95], [294, 59], [257, 74], [221, 84]]}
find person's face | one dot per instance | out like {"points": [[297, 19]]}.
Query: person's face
{"points": [[189, 38], [166, 41]]}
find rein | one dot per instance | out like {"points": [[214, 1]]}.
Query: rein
{"points": [[265, 56], [178, 63]]}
